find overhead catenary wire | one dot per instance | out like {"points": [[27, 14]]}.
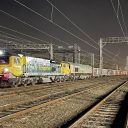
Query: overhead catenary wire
{"points": [[23, 34], [21, 39], [33, 37], [118, 20], [30, 41], [33, 42], [118, 7], [52, 14], [30, 26], [18, 19], [126, 29], [15, 38], [117, 16], [41, 31], [58, 25], [55, 24], [87, 35]]}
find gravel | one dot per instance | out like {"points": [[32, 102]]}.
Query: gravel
{"points": [[56, 113]]}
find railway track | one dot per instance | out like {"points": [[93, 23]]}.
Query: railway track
{"points": [[24, 107], [35, 95], [111, 111], [37, 91], [10, 99], [5, 93], [56, 98], [21, 96], [8, 91], [37, 98], [12, 92]]}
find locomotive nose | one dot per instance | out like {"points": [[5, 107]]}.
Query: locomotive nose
{"points": [[1, 74], [1, 70]]}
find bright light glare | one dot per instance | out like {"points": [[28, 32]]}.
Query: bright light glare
{"points": [[6, 70], [20, 55], [1, 52]]}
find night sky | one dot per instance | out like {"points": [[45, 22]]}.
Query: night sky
{"points": [[95, 17]]}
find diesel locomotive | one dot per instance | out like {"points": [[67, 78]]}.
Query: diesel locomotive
{"points": [[19, 69]]}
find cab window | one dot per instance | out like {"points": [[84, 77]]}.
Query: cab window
{"points": [[16, 60], [4, 60]]}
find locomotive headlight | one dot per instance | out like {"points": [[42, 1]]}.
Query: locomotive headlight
{"points": [[6, 70], [1, 52]]}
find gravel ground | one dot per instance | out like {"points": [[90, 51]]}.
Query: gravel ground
{"points": [[28, 96], [112, 115], [53, 115], [31, 87]]}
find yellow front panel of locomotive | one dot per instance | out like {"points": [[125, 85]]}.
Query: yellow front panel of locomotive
{"points": [[16, 66], [65, 68]]}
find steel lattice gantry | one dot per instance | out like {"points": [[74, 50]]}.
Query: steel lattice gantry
{"points": [[75, 49], [16, 46], [11, 43], [26, 46], [112, 40]]}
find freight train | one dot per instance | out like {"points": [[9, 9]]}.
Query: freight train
{"points": [[18, 69]]}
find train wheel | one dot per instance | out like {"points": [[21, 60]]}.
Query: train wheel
{"points": [[52, 79], [18, 82], [33, 82], [4, 84], [40, 80], [25, 82], [14, 84], [62, 79]]}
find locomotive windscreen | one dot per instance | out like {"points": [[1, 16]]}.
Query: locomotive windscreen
{"points": [[4, 59]]}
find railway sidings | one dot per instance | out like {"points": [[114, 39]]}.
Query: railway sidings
{"points": [[58, 106]]}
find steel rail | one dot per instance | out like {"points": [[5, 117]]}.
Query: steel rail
{"points": [[12, 105], [27, 110], [24, 90], [90, 113]]}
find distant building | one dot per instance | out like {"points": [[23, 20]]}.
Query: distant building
{"points": [[126, 67]]}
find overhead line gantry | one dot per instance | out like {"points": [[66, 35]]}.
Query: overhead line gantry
{"points": [[109, 40]]}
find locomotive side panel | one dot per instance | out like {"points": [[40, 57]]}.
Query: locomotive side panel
{"points": [[37, 66], [80, 69]]}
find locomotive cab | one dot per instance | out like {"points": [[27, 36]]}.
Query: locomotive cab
{"points": [[10, 66], [4, 65]]}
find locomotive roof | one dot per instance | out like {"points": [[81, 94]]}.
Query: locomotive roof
{"points": [[78, 64]]}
